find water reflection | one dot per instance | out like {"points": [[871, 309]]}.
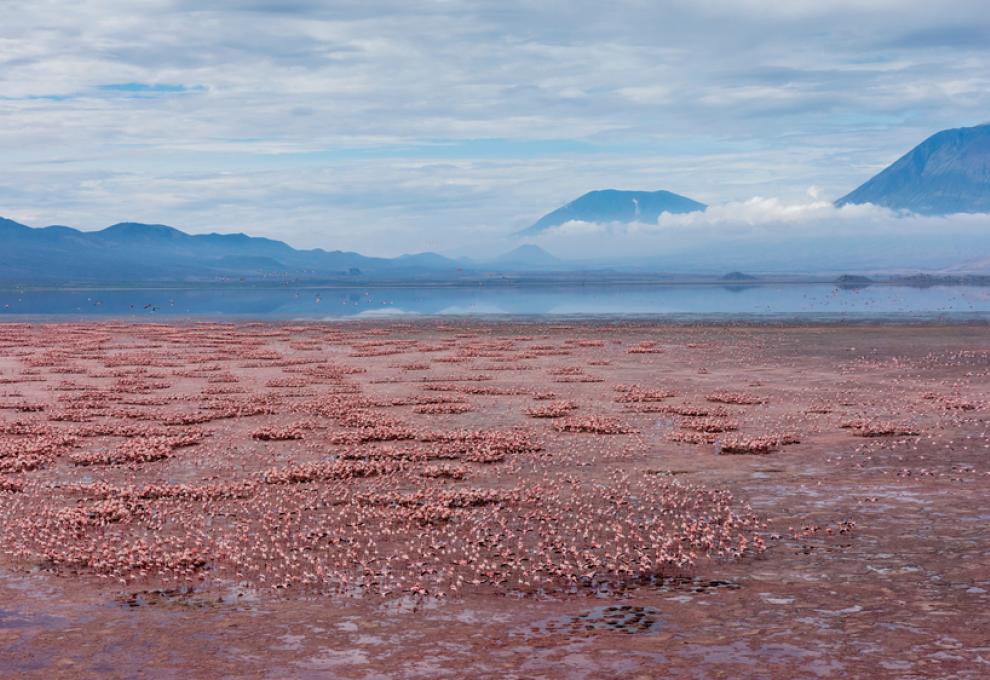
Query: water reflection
{"points": [[660, 300]]}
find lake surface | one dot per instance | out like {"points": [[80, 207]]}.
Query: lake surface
{"points": [[680, 301]]}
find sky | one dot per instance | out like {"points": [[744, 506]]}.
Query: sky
{"points": [[393, 127]]}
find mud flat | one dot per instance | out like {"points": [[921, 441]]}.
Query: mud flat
{"points": [[469, 499]]}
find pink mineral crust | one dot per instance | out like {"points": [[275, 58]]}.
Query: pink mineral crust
{"points": [[469, 499]]}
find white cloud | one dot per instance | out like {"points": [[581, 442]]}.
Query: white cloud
{"points": [[775, 228], [771, 212]]}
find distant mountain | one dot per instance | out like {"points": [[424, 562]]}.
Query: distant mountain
{"points": [[527, 255], [947, 173], [425, 261], [738, 276], [613, 205], [148, 253], [853, 281]]}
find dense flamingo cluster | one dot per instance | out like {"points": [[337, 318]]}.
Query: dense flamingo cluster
{"points": [[757, 445], [444, 408], [634, 394], [741, 398], [709, 424], [593, 425], [687, 410], [332, 537], [646, 347], [35, 446], [132, 451], [865, 427], [278, 434], [10, 485], [365, 459], [554, 409]]}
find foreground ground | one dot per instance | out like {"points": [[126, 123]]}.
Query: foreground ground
{"points": [[494, 500]]}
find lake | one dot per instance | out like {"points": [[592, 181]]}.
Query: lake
{"points": [[674, 301]]}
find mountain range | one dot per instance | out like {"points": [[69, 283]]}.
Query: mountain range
{"points": [[132, 252], [947, 173]]}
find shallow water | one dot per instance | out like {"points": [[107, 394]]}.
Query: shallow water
{"points": [[687, 301]]}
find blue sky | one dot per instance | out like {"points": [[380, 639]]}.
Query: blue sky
{"points": [[391, 127]]}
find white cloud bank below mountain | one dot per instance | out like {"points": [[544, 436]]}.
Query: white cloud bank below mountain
{"points": [[772, 229]]}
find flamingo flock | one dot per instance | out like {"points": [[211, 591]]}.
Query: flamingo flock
{"points": [[379, 460]]}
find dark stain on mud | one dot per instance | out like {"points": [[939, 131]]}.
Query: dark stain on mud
{"points": [[625, 619], [695, 585], [170, 597]]}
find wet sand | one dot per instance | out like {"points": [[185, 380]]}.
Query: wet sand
{"points": [[854, 543]]}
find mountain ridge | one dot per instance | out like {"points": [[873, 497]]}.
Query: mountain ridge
{"points": [[133, 251], [947, 173], [615, 205]]}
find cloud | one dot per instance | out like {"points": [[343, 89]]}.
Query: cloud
{"points": [[774, 229], [272, 109], [768, 215], [142, 87], [773, 213]]}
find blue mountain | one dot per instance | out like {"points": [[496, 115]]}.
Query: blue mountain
{"points": [[614, 205], [526, 255], [947, 173], [148, 253]]}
